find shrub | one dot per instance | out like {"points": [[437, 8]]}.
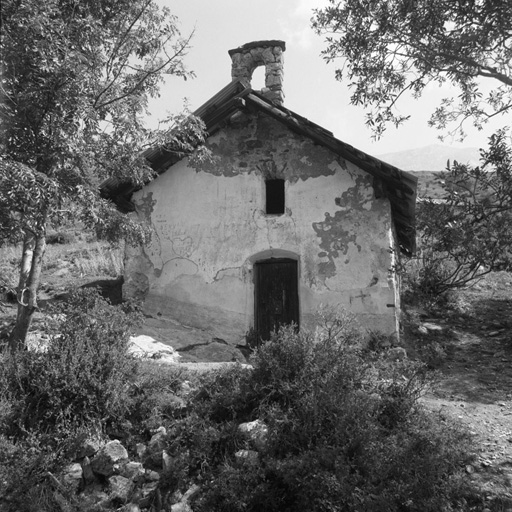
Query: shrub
{"points": [[155, 394], [82, 376], [344, 433], [24, 471]]}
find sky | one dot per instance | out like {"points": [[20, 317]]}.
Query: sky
{"points": [[310, 87]]}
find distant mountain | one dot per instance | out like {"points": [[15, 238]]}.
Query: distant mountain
{"points": [[431, 158]]}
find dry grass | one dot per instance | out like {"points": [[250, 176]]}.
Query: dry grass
{"points": [[77, 260], [95, 259]]}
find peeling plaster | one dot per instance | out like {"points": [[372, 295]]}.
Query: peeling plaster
{"points": [[279, 153], [146, 205], [340, 231]]}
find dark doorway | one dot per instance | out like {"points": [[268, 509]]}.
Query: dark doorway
{"points": [[277, 297]]}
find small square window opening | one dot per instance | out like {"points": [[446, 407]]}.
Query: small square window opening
{"points": [[274, 196]]}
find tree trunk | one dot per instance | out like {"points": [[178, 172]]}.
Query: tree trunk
{"points": [[30, 274]]}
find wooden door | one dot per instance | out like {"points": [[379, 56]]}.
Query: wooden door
{"points": [[277, 298]]}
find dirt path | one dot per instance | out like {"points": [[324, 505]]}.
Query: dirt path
{"points": [[475, 380]]}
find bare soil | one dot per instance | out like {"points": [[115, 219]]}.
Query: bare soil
{"points": [[473, 351]]}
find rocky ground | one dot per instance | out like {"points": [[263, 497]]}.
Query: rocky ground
{"points": [[471, 346]]}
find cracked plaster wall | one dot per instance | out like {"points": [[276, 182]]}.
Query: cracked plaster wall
{"points": [[210, 225]]}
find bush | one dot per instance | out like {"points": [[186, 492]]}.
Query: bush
{"points": [[24, 469], [467, 234], [344, 433], [81, 377]]}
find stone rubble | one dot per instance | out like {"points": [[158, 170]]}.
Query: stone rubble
{"points": [[111, 479]]}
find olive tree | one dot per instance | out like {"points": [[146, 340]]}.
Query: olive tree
{"points": [[390, 48]]}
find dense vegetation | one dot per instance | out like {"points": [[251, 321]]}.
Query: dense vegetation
{"points": [[345, 431]]}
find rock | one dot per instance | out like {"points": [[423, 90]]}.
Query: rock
{"points": [[396, 354], [156, 447], [131, 507], [160, 431], [146, 346], [144, 495], [183, 505], [431, 326], [89, 447], [166, 461], [256, 432], [470, 469], [120, 488], [72, 475], [152, 476], [37, 342], [141, 449], [93, 497], [133, 470], [104, 461], [247, 456], [193, 490], [87, 472]]}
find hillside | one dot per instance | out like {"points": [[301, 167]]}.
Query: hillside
{"points": [[430, 158], [429, 184]]}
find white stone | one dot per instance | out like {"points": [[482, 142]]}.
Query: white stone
{"points": [[255, 431], [105, 460], [146, 346], [432, 327], [72, 475], [182, 506]]}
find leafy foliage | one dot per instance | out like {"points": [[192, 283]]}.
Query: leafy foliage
{"points": [[82, 375], [468, 233], [344, 432], [391, 48], [76, 79]]}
